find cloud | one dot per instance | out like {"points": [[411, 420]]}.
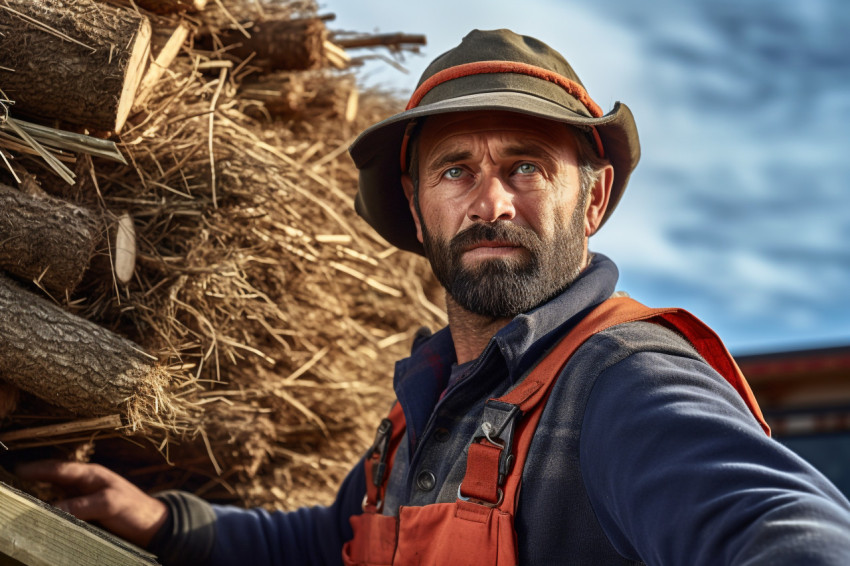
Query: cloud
{"points": [[740, 208]]}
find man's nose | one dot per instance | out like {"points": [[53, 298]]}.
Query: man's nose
{"points": [[492, 200]]}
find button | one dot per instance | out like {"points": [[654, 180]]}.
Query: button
{"points": [[441, 434], [426, 481]]}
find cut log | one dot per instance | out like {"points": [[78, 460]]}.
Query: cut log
{"points": [[277, 45], [45, 238], [78, 62], [288, 94], [67, 360]]}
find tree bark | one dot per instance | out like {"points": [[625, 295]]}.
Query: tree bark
{"points": [[65, 359], [394, 41], [78, 62], [289, 94], [280, 45], [45, 238]]}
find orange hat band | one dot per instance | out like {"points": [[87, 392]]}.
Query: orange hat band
{"points": [[489, 67]]}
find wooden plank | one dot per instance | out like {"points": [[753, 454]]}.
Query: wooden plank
{"points": [[35, 534], [6, 561]]}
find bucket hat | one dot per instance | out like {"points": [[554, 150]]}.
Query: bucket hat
{"points": [[489, 70]]}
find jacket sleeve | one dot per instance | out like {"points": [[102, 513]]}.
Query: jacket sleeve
{"points": [[218, 535], [688, 477]]}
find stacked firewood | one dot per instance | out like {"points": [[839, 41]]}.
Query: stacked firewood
{"points": [[185, 292]]}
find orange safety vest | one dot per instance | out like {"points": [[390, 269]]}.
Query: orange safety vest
{"points": [[477, 529]]}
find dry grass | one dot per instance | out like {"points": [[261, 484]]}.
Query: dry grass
{"points": [[275, 312]]}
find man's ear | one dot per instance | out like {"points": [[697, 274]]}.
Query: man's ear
{"points": [[407, 184], [597, 201]]}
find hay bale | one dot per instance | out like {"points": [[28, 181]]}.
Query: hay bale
{"points": [[278, 312]]}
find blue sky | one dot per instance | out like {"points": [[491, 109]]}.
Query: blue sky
{"points": [[740, 208]]}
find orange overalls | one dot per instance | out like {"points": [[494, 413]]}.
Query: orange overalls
{"points": [[477, 528]]}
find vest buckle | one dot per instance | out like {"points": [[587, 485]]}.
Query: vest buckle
{"points": [[497, 428], [379, 451]]}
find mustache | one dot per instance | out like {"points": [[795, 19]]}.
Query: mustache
{"points": [[501, 230]]}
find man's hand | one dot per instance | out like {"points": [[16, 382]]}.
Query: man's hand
{"points": [[101, 495]]}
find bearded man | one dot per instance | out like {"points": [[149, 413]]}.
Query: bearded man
{"points": [[553, 421]]}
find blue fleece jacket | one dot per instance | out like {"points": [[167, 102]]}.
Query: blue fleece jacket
{"points": [[643, 454]]}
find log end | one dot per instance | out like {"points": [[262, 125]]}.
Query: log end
{"points": [[125, 249]]}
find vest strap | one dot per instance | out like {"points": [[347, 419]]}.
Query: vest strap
{"points": [[481, 483], [487, 456]]}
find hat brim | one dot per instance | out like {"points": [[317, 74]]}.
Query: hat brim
{"points": [[376, 152]]}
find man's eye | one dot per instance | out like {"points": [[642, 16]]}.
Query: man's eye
{"points": [[527, 168], [453, 173]]}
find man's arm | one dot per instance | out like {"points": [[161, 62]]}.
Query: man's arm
{"points": [[184, 529], [310, 535], [688, 477]]}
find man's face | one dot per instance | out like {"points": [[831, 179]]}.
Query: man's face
{"points": [[501, 215]]}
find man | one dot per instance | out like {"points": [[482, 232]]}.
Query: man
{"points": [[630, 433]]}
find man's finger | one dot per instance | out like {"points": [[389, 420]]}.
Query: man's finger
{"points": [[84, 477], [87, 507], [129, 516]]}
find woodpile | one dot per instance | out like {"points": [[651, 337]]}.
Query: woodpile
{"points": [[186, 294]]}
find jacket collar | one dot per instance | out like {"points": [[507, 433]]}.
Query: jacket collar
{"points": [[529, 335], [421, 378]]}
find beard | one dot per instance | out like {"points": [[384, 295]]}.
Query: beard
{"points": [[506, 287]]}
